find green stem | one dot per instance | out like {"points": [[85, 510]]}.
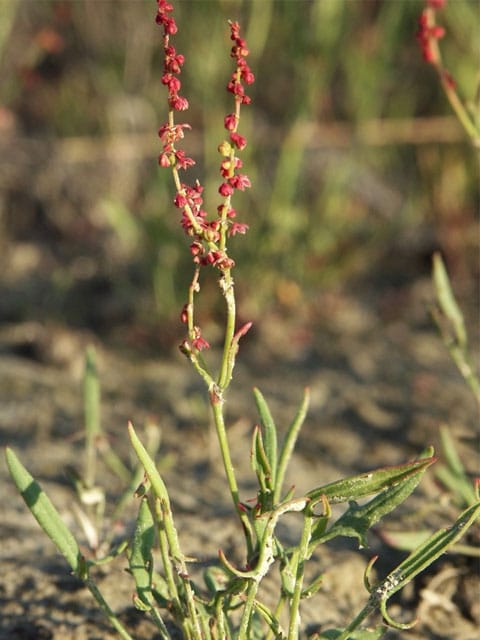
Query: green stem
{"points": [[177, 557], [114, 621], [455, 102], [276, 615], [243, 632], [364, 613], [228, 357], [157, 618], [302, 553], [460, 111], [217, 407]]}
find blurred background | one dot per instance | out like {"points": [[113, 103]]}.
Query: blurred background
{"points": [[359, 169]]}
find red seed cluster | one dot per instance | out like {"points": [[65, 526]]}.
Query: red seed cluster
{"points": [[208, 238], [173, 61], [243, 73], [428, 32]]}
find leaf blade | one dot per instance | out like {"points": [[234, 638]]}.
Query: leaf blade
{"points": [[44, 512]]}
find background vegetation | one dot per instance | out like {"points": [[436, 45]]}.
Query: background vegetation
{"points": [[359, 169]]}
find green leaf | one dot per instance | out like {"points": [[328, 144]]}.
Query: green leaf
{"points": [[44, 512], [446, 300], [453, 475], [360, 486], [357, 520], [270, 433], [289, 444], [91, 399], [422, 557], [149, 465], [140, 555], [260, 463], [91, 391]]}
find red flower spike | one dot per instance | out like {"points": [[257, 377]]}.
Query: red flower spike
{"points": [[189, 198]]}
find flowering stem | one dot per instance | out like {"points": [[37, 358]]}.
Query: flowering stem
{"points": [[428, 36], [209, 246], [450, 91]]}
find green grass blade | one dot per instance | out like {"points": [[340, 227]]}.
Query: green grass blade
{"points": [[43, 511]]}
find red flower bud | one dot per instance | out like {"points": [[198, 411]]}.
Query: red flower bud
{"points": [[225, 189], [230, 122], [164, 160], [239, 141], [240, 181], [184, 314]]}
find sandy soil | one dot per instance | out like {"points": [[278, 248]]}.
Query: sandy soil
{"points": [[380, 389]]}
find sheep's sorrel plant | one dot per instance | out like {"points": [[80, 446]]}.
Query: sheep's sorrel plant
{"points": [[228, 604]]}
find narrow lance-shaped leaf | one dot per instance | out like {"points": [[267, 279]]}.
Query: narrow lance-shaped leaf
{"points": [[453, 475], [447, 301], [270, 433], [44, 512], [421, 558], [140, 556], [289, 444], [91, 399], [357, 520], [364, 484], [149, 465], [91, 390], [260, 464]]}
